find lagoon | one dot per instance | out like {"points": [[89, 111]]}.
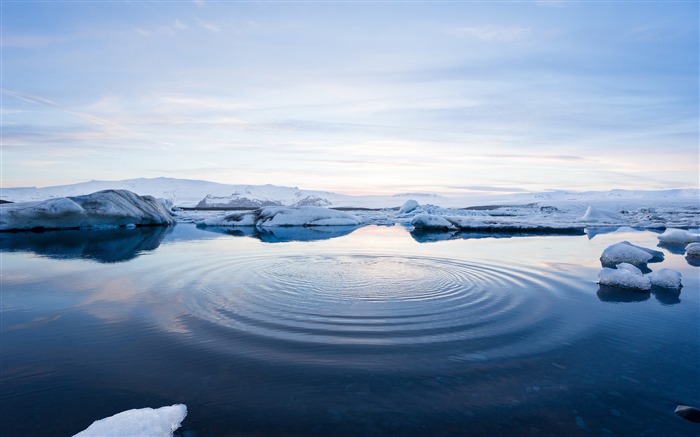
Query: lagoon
{"points": [[342, 331]]}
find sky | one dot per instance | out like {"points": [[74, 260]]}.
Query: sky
{"points": [[353, 97]]}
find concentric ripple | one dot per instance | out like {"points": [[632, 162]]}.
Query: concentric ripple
{"points": [[471, 311]]}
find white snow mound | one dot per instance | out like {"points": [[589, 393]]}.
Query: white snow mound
{"points": [[678, 236], [108, 208], [692, 250], [144, 422], [286, 216], [624, 276], [625, 252], [665, 278]]}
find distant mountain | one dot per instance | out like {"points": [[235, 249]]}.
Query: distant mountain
{"points": [[189, 193]]}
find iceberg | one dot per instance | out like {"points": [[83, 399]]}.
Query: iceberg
{"points": [[626, 252], [593, 214], [624, 276], [428, 221], [286, 216], [678, 236], [103, 209], [144, 422], [692, 250], [408, 206], [665, 278]]}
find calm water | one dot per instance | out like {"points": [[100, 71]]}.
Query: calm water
{"points": [[374, 331]]}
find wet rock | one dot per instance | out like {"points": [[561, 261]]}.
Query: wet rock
{"points": [[688, 413]]}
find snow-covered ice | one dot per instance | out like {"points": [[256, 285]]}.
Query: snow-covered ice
{"points": [[143, 422], [286, 216], [428, 221], [692, 250], [408, 206], [678, 236], [626, 252], [665, 278], [624, 276], [108, 208], [595, 215]]}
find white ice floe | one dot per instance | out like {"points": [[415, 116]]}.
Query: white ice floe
{"points": [[144, 422], [597, 215], [108, 208], [678, 236], [286, 216], [624, 276], [665, 278], [692, 250], [408, 206], [428, 221], [626, 252]]}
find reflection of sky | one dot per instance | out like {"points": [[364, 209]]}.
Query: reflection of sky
{"points": [[353, 97], [43, 286]]}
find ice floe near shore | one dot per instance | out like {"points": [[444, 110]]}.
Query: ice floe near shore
{"points": [[692, 250], [624, 276], [108, 208], [626, 252], [285, 216], [143, 422], [678, 236]]}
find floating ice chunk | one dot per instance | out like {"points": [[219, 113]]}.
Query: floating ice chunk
{"points": [[692, 250], [144, 422], [626, 252], [427, 221], [678, 236], [624, 276], [103, 209], [286, 216], [593, 214], [665, 278], [305, 216], [408, 206]]}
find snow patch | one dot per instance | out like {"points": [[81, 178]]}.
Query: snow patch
{"points": [[144, 422]]}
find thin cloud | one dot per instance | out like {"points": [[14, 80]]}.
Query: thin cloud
{"points": [[107, 124], [208, 26], [492, 33]]}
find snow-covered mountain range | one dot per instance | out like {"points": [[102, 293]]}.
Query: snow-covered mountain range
{"points": [[191, 193]]}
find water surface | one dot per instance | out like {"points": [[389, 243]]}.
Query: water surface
{"points": [[370, 331]]}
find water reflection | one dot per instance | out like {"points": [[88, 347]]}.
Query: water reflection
{"points": [[621, 295], [104, 246], [695, 262], [677, 249], [431, 236], [283, 234], [665, 296]]}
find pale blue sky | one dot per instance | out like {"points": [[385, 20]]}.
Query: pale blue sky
{"points": [[353, 97]]}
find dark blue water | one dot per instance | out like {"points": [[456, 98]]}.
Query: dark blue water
{"points": [[341, 331]]}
